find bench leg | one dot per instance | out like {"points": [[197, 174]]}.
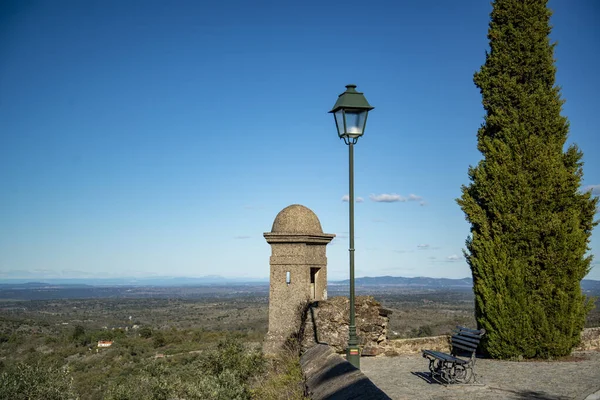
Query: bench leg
{"points": [[464, 373], [449, 372], [446, 372], [436, 367]]}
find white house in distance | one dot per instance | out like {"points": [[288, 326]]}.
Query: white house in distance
{"points": [[105, 343]]}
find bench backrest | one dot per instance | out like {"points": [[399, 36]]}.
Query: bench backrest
{"points": [[466, 340]]}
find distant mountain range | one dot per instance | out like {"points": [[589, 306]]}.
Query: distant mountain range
{"points": [[215, 280], [421, 281], [133, 281], [401, 281]]}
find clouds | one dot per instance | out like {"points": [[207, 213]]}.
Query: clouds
{"points": [[595, 189], [346, 198], [387, 198], [453, 258], [241, 237], [426, 246], [395, 198]]}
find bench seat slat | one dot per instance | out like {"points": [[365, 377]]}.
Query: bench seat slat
{"points": [[475, 342], [443, 356], [464, 341], [469, 334], [466, 346], [460, 346]]}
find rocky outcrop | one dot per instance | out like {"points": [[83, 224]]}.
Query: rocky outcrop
{"points": [[327, 322]]}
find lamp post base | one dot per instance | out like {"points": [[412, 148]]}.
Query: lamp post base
{"points": [[353, 356]]}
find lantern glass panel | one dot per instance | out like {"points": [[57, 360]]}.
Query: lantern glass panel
{"points": [[339, 121], [355, 122]]}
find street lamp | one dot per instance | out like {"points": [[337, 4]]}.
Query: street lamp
{"points": [[350, 113]]}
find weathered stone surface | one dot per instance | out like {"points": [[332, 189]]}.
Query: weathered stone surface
{"points": [[328, 321], [417, 345], [590, 340], [298, 271], [297, 219], [329, 376]]}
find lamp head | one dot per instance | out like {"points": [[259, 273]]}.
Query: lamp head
{"points": [[350, 112]]}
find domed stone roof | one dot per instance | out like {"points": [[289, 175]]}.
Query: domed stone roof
{"points": [[297, 219]]}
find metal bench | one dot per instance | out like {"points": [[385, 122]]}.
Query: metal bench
{"points": [[449, 368]]}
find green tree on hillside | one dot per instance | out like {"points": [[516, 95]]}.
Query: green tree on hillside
{"points": [[35, 381], [530, 223]]}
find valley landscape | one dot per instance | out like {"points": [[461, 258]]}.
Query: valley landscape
{"points": [[169, 330]]}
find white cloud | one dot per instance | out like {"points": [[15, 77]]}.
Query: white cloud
{"points": [[422, 203], [394, 197], [453, 258], [346, 198], [423, 246], [387, 198], [242, 237], [595, 189]]}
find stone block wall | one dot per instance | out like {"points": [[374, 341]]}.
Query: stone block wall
{"points": [[328, 321]]}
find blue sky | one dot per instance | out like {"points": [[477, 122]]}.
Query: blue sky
{"points": [[142, 138]]}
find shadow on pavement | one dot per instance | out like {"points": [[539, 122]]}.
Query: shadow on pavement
{"points": [[359, 390], [530, 394], [426, 376]]}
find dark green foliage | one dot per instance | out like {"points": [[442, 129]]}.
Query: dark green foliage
{"points": [[146, 332], [35, 381], [422, 331], [530, 224], [78, 332], [230, 355], [159, 340], [283, 378], [220, 374]]}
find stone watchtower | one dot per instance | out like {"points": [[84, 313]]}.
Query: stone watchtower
{"points": [[298, 270]]}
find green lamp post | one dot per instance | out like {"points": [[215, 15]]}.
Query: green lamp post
{"points": [[350, 112]]}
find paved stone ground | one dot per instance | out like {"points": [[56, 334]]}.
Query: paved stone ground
{"points": [[398, 378]]}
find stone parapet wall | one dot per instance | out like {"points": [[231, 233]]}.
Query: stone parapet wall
{"points": [[329, 376], [590, 341], [417, 345]]}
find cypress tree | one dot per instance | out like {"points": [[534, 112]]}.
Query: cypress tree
{"points": [[530, 222]]}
